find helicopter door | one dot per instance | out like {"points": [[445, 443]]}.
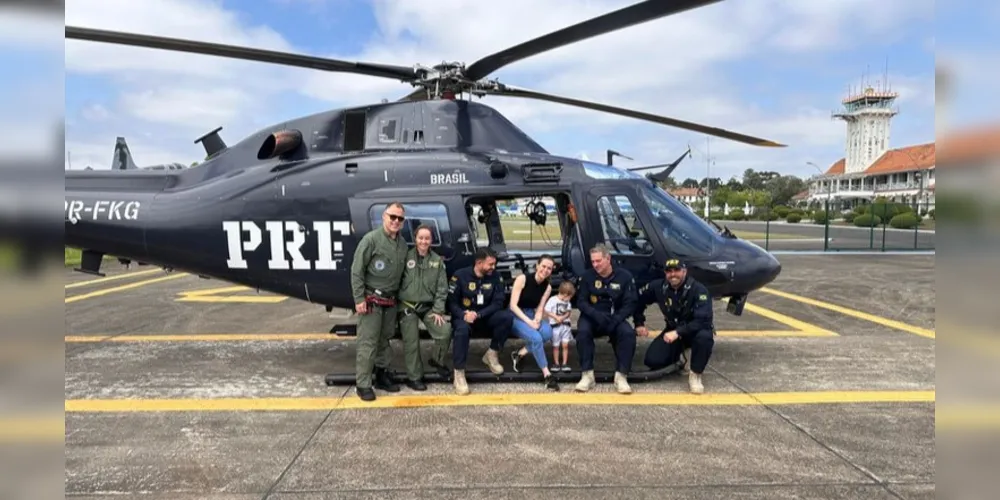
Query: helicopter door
{"points": [[619, 219]]}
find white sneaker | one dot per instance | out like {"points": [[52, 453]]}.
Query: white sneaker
{"points": [[694, 381], [461, 387], [621, 383], [492, 360], [586, 381]]}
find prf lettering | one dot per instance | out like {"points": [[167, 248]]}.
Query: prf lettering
{"points": [[285, 240]]}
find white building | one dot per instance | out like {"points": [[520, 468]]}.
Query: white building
{"points": [[870, 169]]}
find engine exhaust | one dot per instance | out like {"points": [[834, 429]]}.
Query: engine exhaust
{"points": [[279, 143]]}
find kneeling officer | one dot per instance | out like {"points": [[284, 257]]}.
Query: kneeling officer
{"points": [[423, 294], [687, 308]]}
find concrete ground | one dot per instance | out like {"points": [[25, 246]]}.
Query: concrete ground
{"points": [[181, 395]]}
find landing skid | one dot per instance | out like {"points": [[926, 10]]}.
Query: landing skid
{"points": [[487, 377]]}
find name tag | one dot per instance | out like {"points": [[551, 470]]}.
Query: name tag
{"points": [[479, 299]]}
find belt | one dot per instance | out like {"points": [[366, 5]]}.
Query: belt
{"points": [[416, 307], [380, 298]]}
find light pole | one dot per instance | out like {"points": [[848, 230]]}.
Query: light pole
{"points": [[829, 197]]}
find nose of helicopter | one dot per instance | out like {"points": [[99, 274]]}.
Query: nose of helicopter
{"points": [[760, 268]]}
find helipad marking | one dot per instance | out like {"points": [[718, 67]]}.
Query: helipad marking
{"points": [[899, 325], [213, 295], [111, 278], [515, 399], [800, 327], [98, 293]]}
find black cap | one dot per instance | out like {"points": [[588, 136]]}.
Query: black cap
{"points": [[674, 264]]}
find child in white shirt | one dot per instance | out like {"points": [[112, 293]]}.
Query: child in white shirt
{"points": [[558, 309]]}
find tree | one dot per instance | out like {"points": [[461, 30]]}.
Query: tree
{"points": [[689, 183]]}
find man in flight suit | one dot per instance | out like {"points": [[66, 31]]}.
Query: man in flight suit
{"points": [[606, 297], [475, 301], [423, 295], [376, 272], [687, 308]]}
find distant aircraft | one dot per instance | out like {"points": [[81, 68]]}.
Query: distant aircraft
{"points": [[122, 159]]}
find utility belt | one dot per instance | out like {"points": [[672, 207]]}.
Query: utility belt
{"points": [[419, 308], [380, 298]]}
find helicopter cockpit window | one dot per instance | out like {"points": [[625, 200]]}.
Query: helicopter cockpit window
{"points": [[434, 215], [622, 230], [684, 233]]}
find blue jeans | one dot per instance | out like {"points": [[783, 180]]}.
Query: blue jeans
{"points": [[534, 339]]}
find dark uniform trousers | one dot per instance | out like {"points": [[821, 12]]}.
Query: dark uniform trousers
{"points": [[660, 354], [688, 311], [605, 304], [485, 296]]}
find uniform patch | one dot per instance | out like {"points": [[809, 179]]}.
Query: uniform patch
{"points": [[593, 299], [598, 284], [379, 265], [434, 263], [487, 286], [472, 286], [466, 302], [703, 297], [411, 264], [615, 286]]}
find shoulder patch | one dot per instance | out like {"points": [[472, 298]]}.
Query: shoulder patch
{"points": [[703, 297]]}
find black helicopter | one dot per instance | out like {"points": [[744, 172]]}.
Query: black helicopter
{"points": [[283, 209]]}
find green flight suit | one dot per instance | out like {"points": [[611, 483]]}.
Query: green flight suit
{"points": [[424, 291], [377, 266]]}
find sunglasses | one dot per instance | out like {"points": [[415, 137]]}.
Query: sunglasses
{"points": [[396, 218]]}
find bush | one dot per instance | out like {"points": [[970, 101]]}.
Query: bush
{"points": [[904, 221], [781, 210], [849, 217], [860, 209], [931, 214], [736, 214], [793, 218], [819, 217], [765, 214], [886, 211], [867, 220], [716, 215]]}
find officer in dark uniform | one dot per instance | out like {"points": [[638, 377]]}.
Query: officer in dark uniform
{"points": [[476, 301], [606, 298], [687, 308]]}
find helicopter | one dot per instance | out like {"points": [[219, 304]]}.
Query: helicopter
{"points": [[283, 209]]}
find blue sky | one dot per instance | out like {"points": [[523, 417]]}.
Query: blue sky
{"points": [[769, 68]]}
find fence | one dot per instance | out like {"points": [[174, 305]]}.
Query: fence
{"points": [[879, 226]]}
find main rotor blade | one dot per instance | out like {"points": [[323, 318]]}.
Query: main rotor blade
{"points": [[622, 18], [156, 42], [718, 132]]}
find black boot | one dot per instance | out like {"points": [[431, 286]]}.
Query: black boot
{"points": [[366, 393], [442, 370], [383, 380], [416, 385]]}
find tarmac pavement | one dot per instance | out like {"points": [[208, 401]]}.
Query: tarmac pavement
{"points": [[217, 397]]}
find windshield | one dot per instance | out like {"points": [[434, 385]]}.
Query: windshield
{"points": [[684, 233]]}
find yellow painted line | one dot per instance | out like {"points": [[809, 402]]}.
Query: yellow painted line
{"points": [[799, 325], [516, 399], [207, 337], [776, 333], [213, 295], [111, 278], [33, 429], [899, 325], [98, 293]]}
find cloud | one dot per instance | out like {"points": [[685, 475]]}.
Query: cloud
{"points": [[681, 67]]}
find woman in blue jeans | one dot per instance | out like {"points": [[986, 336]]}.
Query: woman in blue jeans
{"points": [[527, 302]]}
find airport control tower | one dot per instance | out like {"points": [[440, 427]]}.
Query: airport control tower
{"points": [[867, 114]]}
